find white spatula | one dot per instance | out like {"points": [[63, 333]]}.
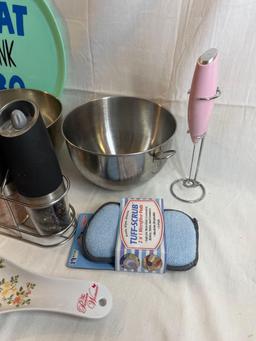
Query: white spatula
{"points": [[23, 290]]}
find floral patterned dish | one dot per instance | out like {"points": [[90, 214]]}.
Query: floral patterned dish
{"points": [[23, 290]]}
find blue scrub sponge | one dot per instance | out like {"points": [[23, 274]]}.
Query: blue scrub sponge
{"points": [[100, 238], [181, 236]]}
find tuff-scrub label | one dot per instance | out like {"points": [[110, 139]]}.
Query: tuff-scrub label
{"points": [[140, 243]]}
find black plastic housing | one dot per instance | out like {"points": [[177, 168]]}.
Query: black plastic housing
{"points": [[31, 158]]}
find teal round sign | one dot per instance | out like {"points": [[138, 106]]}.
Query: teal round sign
{"points": [[31, 47]]}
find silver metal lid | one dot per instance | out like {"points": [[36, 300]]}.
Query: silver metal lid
{"points": [[208, 56], [29, 110], [46, 200]]}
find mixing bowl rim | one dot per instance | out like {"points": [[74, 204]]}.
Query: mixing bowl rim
{"points": [[42, 92], [117, 154]]}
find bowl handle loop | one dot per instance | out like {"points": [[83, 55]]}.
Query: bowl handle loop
{"points": [[164, 155]]}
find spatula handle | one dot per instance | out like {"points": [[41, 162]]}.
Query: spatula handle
{"points": [[24, 290]]}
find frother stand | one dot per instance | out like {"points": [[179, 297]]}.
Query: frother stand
{"points": [[27, 233], [200, 108]]}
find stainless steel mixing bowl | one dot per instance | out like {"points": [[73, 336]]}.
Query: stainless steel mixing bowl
{"points": [[49, 106], [117, 142]]}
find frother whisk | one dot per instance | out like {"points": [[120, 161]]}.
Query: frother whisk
{"points": [[201, 95]]}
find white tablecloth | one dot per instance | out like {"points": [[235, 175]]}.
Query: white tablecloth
{"points": [[214, 301]]}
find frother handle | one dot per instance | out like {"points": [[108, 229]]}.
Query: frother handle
{"points": [[203, 88]]}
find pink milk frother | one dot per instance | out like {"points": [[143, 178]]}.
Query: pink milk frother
{"points": [[200, 106]]}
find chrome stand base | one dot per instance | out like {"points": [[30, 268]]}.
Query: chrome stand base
{"points": [[27, 233], [26, 230], [188, 190]]}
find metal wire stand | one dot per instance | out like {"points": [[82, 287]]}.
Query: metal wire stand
{"points": [[26, 232], [190, 183]]}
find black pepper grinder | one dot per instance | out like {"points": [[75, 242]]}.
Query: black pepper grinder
{"points": [[3, 167], [5, 218], [34, 166]]}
